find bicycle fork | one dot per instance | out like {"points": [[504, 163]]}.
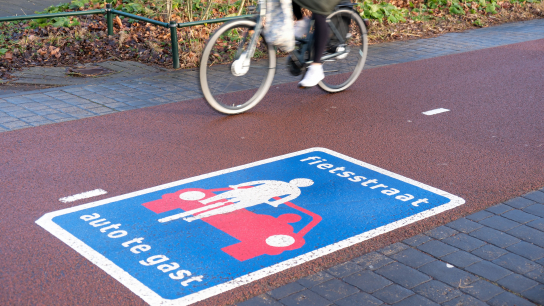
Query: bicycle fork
{"points": [[241, 65]]}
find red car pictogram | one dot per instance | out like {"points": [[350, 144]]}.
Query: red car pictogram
{"points": [[258, 234]]}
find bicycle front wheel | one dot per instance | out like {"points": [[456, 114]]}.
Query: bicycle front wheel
{"points": [[348, 36], [230, 82]]}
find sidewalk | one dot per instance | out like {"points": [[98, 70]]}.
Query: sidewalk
{"points": [[130, 91], [493, 257]]}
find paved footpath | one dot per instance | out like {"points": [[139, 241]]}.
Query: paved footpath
{"points": [[494, 255]]}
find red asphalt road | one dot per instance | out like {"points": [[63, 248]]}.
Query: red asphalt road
{"points": [[487, 149]]}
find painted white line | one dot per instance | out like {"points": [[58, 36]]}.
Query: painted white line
{"points": [[436, 111], [84, 195]]}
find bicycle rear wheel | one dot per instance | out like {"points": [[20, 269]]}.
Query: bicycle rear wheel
{"points": [[347, 32], [228, 84]]}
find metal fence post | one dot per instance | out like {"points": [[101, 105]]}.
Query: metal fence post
{"points": [[174, 37], [109, 19]]}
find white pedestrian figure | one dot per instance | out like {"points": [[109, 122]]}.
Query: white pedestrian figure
{"points": [[262, 192]]}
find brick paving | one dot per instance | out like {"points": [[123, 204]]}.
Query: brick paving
{"points": [[110, 95], [492, 257]]}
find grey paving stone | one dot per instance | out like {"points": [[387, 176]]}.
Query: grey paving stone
{"points": [[315, 279], [416, 300], [124, 108], [372, 261], [482, 290], [334, 289], [495, 237], [305, 298], [261, 300], [367, 281], [528, 234], [46, 111], [344, 269], [508, 299], [537, 196], [461, 259], [527, 250], [515, 263], [403, 275], [286, 290], [488, 270], [489, 252], [535, 294], [451, 276], [417, 240], [412, 258], [437, 291], [360, 298], [535, 209], [15, 125], [437, 248], [392, 294], [7, 118], [517, 283], [537, 275], [479, 216], [500, 223], [394, 248], [537, 224], [464, 225], [464, 242], [58, 116], [465, 300], [441, 232], [499, 209], [42, 122], [519, 216], [21, 113], [33, 119]]}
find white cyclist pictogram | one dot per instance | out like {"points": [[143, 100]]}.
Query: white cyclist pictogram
{"points": [[261, 192]]}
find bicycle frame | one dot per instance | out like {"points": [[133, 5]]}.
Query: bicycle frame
{"points": [[261, 8], [297, 56]]}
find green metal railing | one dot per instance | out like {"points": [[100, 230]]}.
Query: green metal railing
{"points": [[109, 12]]}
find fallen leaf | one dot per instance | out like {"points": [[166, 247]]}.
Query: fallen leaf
{"points": [[118, 22], [42, 51], [8, 56]]}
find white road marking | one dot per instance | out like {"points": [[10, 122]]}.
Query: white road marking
{"points": [[436, 111], [84, 195]]}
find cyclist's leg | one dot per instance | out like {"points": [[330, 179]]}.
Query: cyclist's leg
{"points": [[315, 73], [321, 36]]}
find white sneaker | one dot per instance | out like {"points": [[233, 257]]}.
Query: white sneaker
{"points": [[313, 76], [301, 27]]}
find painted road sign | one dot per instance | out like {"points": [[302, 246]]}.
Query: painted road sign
{"points": [[186, 241]]}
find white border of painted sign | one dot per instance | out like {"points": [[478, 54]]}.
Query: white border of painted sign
{"points": [[152, 298]]}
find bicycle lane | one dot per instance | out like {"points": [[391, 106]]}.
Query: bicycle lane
{"points": [[486, 149]]}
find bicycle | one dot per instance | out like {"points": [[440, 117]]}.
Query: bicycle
{"points": [[238, 52]]}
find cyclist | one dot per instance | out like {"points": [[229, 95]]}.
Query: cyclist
{"points": [[320, 10]]}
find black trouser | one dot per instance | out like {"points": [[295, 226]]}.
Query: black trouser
{"points": [[321, 31]]}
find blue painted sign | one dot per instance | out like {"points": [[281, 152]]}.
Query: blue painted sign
{"points": [[186, 241]]}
